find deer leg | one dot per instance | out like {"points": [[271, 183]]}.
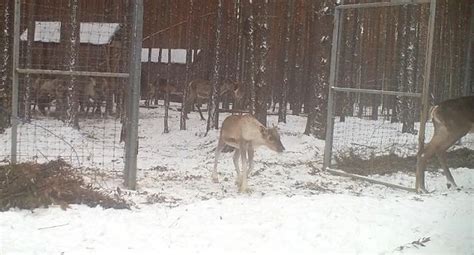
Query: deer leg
{"points": [[200, 113], [426, 154], [243, 154], [441, 141], [449, 177], [236, 158], [220, 146], [251, 153], [441, 154]]}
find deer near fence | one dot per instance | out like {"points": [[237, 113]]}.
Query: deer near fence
{"points": [[245, 134], [452, 119], [158, 89], [200, 90], [92, 93]]}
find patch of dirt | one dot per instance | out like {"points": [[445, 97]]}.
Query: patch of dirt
{"points": [[387, 164], [31, 185]]}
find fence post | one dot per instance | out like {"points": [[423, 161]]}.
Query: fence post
{"points": [[426, 89], [332, 82], [15, 84], [131, 142]]}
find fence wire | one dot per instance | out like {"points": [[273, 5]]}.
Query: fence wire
{"points": [[77, 118]]}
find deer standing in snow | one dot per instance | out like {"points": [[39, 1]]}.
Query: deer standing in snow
{"points": [[200, 90], [245, 134], [452, 119]]}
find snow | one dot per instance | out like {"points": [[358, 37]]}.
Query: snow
{"points": [[320, 224], [96, 33], [294, 207]]}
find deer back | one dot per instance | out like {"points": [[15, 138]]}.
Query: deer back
{"points": [[455, 114], [237, 128]]}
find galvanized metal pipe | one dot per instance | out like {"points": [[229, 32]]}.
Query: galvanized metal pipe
{"points": [[15, 83]]}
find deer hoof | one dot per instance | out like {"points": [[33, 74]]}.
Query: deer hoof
{"points": [[245, 190], [421, 191], [238, 180], [450, 184]]}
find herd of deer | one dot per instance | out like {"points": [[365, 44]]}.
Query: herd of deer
{"points": [[91, 93], [452, 119]]}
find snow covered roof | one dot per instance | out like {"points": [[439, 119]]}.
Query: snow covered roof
{"points": [[90, 32], [178, 56]]}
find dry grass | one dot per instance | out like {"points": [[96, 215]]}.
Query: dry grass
{"points": [[352, 163], [30, 185]]}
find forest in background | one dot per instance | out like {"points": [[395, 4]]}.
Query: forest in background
{"points": [[279, 51]]}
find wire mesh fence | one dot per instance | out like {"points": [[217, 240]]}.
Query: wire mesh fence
{"points": [[379, 75], [73, 66]]}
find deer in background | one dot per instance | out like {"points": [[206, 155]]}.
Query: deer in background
{"points": [[91, 95], [157, 88], [46, 91], [200, 90], [452, 119], [245, 134]]}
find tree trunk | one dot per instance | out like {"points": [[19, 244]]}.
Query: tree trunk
{"points": [[183, 115], [213, 104], [286, 60], [261, 50], [321, 31], [6, 65], [73, 54]]}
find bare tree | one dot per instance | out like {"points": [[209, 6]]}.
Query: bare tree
{"points": [[5, 66], [213, 104], [261, 49], [286, 59], [72, 63], [189, 33], [29, 58], [321, 30]]}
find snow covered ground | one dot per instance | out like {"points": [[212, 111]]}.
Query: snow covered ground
{"points": [[294, 207]]}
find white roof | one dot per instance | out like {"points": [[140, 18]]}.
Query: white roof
{"points": [[90, 32], [178, 56]]}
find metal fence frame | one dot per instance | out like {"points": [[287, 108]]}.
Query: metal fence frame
{"points": [[333, 86], [133, 76]]}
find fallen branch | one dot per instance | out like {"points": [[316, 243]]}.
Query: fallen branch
{"points": [[55, 226], [355, 176]]}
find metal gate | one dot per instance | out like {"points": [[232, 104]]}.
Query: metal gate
{"points": [[74, 83], [378, 97]]}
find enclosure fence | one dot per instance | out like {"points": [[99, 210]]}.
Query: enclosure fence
{"points": [[378, 98], [73, 82]]}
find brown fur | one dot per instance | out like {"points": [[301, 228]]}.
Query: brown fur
{"points": [[245, 134], [452, 119], [45, 91], [157, 89], [199, 91]]}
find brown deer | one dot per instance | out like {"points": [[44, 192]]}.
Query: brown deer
{"points": [[46, 91], [452, 119], [157, 88], [91, 95], [199, 91], [245, 134]]}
